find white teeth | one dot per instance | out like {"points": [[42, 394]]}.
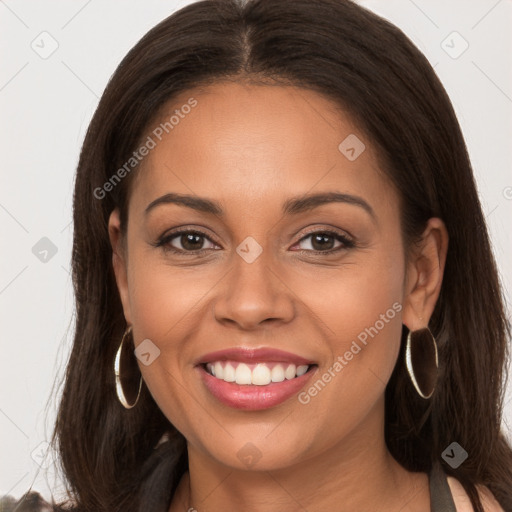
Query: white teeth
{"points": [[229, 373], [301, 370], [289, 373], [242, 374], [261, 375], [219, 371], [277, 373]]}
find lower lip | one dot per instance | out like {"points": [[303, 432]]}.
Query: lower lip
{"points": [[252, 397]]}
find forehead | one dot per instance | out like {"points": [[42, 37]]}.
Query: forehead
{"points": [[250, 143]]}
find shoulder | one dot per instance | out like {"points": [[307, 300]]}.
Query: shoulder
{"points": [[30, 502], [463, 503]]}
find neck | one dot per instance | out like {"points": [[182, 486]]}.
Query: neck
{"points": [[358, 473]]}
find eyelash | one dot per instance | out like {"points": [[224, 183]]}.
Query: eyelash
{"points": [[347, 243]]}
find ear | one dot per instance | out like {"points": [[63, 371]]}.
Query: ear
{"points": [[119, 261], [424, 275]]}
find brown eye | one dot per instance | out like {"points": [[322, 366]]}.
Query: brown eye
{"points": [[186, 241], [325, 241]]}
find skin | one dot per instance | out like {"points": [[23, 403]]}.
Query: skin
{"points": [[251, 148]]}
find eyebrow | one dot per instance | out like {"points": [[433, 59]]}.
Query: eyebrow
{"points": [[292, 206]]}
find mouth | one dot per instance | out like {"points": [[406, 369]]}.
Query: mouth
{"points": [[254, 378]]}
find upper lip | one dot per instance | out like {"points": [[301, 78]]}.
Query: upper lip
{"points": [[252, 355]]}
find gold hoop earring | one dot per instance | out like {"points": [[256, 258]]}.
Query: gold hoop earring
{"points": [[421, 361], [122, 354]]}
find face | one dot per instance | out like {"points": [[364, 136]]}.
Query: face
{"points": [[261, 266]]}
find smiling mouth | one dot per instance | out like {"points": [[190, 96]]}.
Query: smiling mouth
{"points": [[256, 374]]}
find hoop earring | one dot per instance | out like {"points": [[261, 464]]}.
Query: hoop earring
{"points": [[121, 354], [421, 361]]}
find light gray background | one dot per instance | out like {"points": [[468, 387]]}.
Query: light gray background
{"points": [[45, 107]]}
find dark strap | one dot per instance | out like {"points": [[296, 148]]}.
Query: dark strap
{"points": [[441, 499]]}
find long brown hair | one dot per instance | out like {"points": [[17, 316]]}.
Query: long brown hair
{"points": [[373, 71]]}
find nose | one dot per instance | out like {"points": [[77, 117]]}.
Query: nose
{"points": [[254, 294]]}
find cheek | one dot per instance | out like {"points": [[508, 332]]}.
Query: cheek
{"points": [[164, 301], [164, 298], [357, 321], [363, 294], [359, 312]]}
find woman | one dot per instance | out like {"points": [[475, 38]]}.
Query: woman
{"points": [[281, 265]]}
